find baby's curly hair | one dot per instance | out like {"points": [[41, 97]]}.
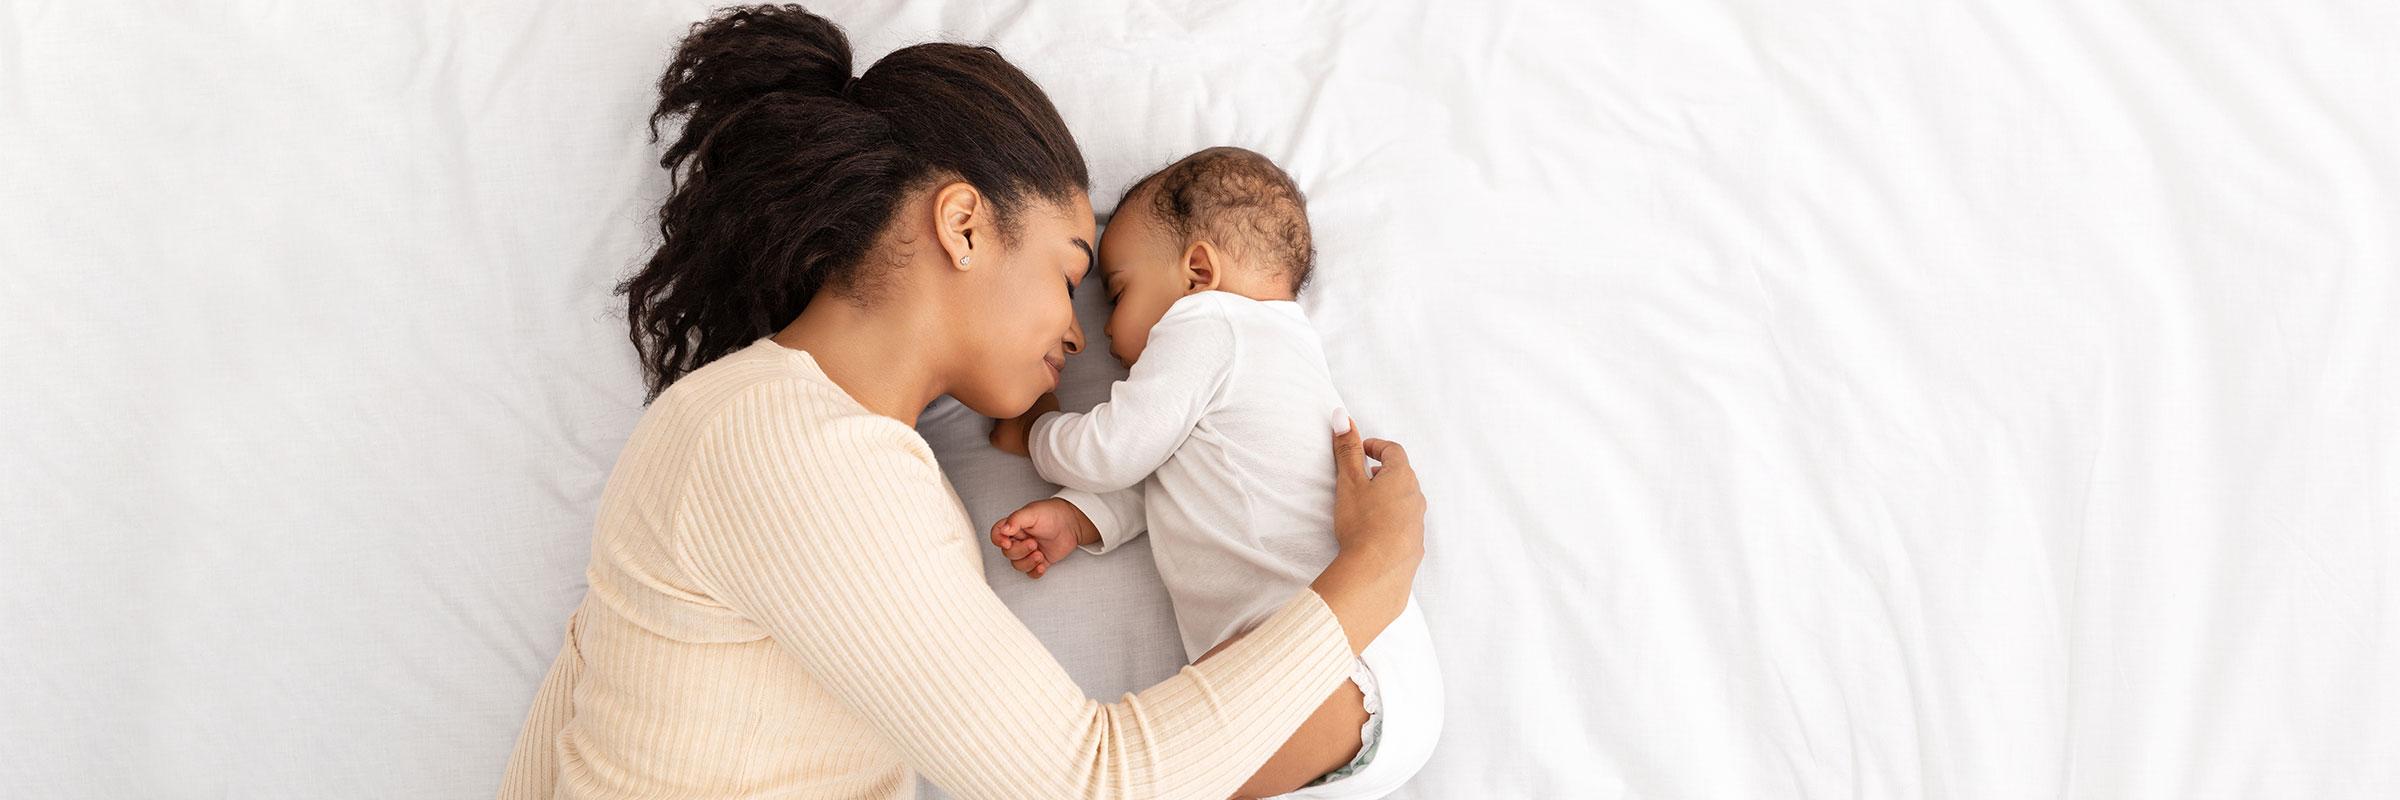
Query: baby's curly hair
{"points": [[1239, 201]]}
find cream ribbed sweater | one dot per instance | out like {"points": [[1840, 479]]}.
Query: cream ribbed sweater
{"points": [[786, 599]]}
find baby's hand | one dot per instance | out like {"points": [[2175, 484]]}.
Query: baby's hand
{"points": [[1041, 533], [1010, 434]]}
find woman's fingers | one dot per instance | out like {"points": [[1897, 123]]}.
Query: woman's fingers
{"points": [[1395, 478], [1387, 452], [1349, 456]]}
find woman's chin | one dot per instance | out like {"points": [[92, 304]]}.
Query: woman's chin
{"points": [[1010, 407]]}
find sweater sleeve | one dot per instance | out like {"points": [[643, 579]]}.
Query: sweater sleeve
{"points": [[843, 541], [1148, 414], [1118, 515], [533, 766]]}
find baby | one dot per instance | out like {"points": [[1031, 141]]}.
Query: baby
{"points": [[1216, 445]]}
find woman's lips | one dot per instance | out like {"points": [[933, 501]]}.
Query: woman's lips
{"points": [[1054, 370]]}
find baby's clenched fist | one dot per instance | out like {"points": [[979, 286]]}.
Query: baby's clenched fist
{"points": [[1041, 533]]}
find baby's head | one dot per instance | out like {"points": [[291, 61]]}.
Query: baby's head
{"points": [[1222, 219]]}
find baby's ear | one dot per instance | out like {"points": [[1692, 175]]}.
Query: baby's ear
{"points": [[1202, 267]]}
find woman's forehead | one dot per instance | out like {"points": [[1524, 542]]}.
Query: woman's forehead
{"points": [[1073, 216]]}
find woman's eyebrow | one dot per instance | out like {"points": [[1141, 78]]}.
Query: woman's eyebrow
{"points": [[1092, 259]]}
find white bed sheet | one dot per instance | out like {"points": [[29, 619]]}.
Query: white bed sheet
{"points": [[1829, 399]]}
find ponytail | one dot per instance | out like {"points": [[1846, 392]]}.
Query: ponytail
{"points": [[787, 169]]}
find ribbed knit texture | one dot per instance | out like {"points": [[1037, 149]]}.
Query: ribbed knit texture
{"points": [[786, 599]]}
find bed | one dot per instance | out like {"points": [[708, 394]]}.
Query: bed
{"points": [[1829, 399]]}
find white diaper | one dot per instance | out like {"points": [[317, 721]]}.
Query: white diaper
{"points": [[1402, 683]]}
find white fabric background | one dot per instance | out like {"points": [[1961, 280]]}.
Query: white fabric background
{"points": [[1825, 399]]}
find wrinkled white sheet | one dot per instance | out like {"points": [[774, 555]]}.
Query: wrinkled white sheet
{"points": [[1824, 399]]}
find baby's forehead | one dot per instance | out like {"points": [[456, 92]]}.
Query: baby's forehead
{"points": [[1135, 202], [1129, 218]]}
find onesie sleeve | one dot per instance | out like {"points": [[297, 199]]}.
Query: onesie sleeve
{"points": [[1117, 514], [1148, 414]]}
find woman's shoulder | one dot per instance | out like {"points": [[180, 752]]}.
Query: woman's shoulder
{"points": [[710, 387], [773, 399], [775, 451]]}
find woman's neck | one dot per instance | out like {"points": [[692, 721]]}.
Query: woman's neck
{"points": [[878, 358]]}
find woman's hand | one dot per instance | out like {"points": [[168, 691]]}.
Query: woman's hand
{"points": [[1012, 435], [1041, 533], [1379, 523], [1377, 507]]}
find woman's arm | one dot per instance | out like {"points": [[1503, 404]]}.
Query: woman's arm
{"points": [[843, 541], [1379, 523], [533, 766]]}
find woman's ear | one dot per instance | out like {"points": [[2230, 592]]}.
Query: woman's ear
{"points": [[958, 212], [1201, 268]]}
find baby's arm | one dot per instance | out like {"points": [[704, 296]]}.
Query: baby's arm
{"points": [[1116, 516], [1148, 414]]}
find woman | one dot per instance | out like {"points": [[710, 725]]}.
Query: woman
{"points": [[786, 596]]}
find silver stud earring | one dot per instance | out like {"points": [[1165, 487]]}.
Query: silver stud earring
{"points": [[962, 260]]}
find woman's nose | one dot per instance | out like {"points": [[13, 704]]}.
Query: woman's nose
{"points": [[1074, 337]]}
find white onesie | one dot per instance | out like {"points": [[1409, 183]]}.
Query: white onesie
{"points": [[1219, 445]]}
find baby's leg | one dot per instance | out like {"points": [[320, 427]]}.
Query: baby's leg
{"points": [[1326, 742]]}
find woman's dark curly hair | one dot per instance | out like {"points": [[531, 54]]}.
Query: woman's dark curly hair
{"points": [[787, 170]]}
